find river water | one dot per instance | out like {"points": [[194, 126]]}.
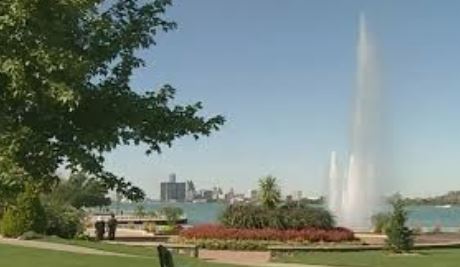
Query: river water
{"points": [[426, 217]]}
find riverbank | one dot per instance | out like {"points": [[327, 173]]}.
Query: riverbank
{"points": [[425, 218]]}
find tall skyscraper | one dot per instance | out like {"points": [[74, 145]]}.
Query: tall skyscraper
{"points": [[172, 190]]}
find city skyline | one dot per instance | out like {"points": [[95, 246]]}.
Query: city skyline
{"points": [[174, 189], [285, 86]]}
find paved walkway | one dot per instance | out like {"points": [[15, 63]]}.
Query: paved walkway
{"points": [[245, 258], [60, 247], [241, 258]]}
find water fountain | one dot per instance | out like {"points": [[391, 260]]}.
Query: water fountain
{"points": [[335, 183], [358, 189]]}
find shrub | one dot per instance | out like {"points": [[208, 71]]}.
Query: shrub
{"points": [[217, 244], [64, 221], [399, 236], [380, 222], [30, 235], [250, 216], [167, 229], [245, 216], [218, 232], [300, 217], [10, 227], [171, 214], [27, 215]]}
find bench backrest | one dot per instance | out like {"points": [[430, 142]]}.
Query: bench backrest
{"points": [[165, 256]]}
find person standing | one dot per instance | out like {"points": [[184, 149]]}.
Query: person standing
{"points": [[100, 228], [112, 224]]}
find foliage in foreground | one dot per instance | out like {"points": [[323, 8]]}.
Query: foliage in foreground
{"points": [[27, 215], [63, 220], [218, 232], [66, 94], [251, 216], [399, 236]]}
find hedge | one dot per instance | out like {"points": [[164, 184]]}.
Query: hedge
{"points": [[219, 232]]}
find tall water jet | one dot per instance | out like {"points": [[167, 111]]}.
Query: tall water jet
{"points": [[361, 195], [334, 199]]}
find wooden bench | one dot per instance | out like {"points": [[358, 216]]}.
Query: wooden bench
{"points": [[165, 257], [190, 250]]}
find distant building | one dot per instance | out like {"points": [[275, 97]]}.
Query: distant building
{"points": [[230, 195], [216, 193], [237, 198], [190, 191], [206, 195], [172, 190], [297, 195], [172, 178]]}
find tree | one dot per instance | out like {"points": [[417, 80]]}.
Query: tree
{"points": [[80, 191], [171, 214], [399, 236], [140, 210], [65, 92], [270, 193]]}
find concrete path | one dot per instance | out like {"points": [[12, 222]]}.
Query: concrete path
{"points": [[60, 247], [245, 258], [240, 258]]}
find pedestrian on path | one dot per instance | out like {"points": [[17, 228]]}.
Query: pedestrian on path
{"points": [[112, 224], [100, 228]]}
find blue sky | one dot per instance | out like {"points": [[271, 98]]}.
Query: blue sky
{"points": [[283, 73]]}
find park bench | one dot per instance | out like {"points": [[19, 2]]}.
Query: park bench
{"points": [[190, 250], [165, 257]]}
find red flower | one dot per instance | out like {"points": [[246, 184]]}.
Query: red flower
{"points": [[213, 231]]}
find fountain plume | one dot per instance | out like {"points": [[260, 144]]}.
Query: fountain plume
{"points": [[335, 186], [359, 191]]}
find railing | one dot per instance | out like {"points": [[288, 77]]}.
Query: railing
{"points": [[135, 217], [123, 219]]}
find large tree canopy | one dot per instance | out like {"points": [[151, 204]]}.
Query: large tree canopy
{"points": [[79, 191], [65, 94]]}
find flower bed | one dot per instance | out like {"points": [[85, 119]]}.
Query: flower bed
{"points": [[218, 232]]}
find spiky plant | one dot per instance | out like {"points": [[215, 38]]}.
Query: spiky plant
{"points": [[270, 193]]}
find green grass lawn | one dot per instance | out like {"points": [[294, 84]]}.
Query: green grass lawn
{"points": [[118, 248], [16, 256], [422, 258]]}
